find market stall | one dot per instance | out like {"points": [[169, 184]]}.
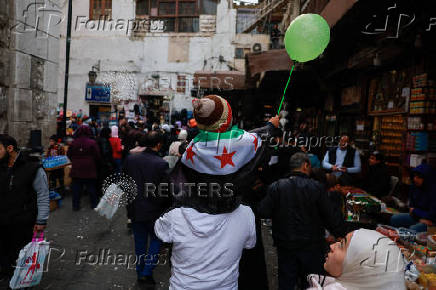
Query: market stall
{"points": [[419, 253], [50, 165], [360, 209]]}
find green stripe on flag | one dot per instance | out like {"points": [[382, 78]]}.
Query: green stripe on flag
{"points": [[205, 136]]}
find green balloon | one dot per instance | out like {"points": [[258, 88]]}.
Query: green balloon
{"points": [[307, 37]]}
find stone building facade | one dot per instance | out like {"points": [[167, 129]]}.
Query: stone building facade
{"points": [[128, 47], [29, 61]]}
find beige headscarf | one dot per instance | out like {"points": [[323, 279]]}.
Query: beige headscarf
{"points": [[373, 262]]}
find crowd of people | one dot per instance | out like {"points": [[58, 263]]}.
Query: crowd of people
{"points": [[235, 179]]}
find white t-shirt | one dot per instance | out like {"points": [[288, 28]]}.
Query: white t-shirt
{"points": [[206, 248]]}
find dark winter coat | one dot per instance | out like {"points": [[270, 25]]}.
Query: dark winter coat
{"points": [[107, 163], [147, 168], [18, 198], [423, 199], [378, 180], [84, 155], [300, 210]]}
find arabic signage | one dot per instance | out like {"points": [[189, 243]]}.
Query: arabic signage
{"points": [[97, 93]]}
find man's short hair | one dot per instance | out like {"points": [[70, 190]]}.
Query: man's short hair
{"points": [[378, 156], [7, 140], [297, 160], [345, 134], [154, 138]]}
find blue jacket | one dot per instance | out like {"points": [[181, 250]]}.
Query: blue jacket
{"points": [[423, 199]]}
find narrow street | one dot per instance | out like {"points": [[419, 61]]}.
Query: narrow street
{"points": [[85, 237], [80, 247]]}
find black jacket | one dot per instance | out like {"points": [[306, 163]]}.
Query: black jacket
{"points": [[378, 180], [18, 198], [147, 167], [107, 163], [300, 210]]}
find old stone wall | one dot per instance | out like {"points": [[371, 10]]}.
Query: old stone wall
{"points": [[4, 64], [29, 60]]}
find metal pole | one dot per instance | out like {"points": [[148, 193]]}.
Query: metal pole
{"points": [[67, 66]]}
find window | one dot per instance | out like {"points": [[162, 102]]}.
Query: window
{"points": [[179, 15], [142, 7], [239, 53], [181, 84], [98, 9]]}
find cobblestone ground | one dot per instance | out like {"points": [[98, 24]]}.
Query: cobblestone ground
{"points": [[80, 247]]}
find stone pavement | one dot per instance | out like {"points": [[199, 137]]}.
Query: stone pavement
{"points": [[81, 243], [89, 252]]}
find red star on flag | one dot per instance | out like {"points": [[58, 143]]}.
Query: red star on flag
{"points": [[190, 153], [226, 158], [255, 142]]}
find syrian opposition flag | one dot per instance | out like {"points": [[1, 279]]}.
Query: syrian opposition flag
{"points": [[221, 153], [227, 160]]}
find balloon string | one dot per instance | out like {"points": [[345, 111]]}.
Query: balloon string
{"points": [[284, 93]]}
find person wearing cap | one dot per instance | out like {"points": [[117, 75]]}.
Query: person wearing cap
{"points": [[378, 180], [210, 227], [422, 196]]}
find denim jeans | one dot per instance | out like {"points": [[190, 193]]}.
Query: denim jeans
{"points": [[407, 221], [77, 187], [118, 165], [146, 259]]}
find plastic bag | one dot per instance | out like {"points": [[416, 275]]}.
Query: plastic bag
{"points": [[109, 203], [30, 263]]}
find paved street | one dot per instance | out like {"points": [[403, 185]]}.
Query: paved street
{"points": [[85, 232], [81, 244]]}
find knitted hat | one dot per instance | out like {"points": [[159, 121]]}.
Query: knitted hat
{"points": [[212, 113]]}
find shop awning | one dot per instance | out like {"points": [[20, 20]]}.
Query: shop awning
{"points": [[335, 9], [271, 60], [224, 80]]}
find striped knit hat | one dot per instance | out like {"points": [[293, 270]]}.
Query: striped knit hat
{"points": [[212, 113]]}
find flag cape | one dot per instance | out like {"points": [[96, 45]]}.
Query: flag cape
{"points": [[221, 153]]}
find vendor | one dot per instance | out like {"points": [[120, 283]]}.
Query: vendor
{"points": [[343, 161], [422, 211], [377, 182]]}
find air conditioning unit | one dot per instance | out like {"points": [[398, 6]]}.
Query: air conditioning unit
{"points": [[257, 47]]}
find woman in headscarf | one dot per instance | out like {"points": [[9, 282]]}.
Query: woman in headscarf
{"points": [[364, 260], [116, 148], [85, 157]]}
